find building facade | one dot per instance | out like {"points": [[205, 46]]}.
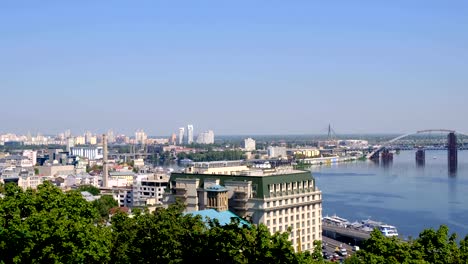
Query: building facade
{"points": [[277, 152], [181, 135], [206, 137], [140, 137], [283, 199], [92, 153], [189, 134], [249, 144]]}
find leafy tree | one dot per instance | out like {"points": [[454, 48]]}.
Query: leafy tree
{"points": [[432, 246], [89, 188], [104, 204], [50, 226]]}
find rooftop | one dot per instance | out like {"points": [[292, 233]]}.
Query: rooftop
{"points": [[223, 217], [217, 188]]}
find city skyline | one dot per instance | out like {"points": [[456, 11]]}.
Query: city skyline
{"points": [[262, 68]]}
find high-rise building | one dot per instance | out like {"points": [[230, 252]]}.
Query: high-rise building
{"points": [[140, 137], [88, 136], [181, 135], [189, 134], [110, 136], [173, 139], [32, 156], [279, 198], [80, 140], [206, 137], [249, 144], [70, 143], [67, 133]]}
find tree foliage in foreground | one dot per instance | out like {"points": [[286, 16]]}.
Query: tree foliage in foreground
{"points": [[49, 226], [432, 246]]}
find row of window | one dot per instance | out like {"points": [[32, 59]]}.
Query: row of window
{"points": [[295, 200], [296, 209], [273, 222], [290, 186]]}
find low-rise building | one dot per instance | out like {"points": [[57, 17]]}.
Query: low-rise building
{"points": [[277, 152], [217, 167], [147, 187], [56, 170]]}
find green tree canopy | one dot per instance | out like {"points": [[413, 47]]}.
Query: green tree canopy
{"points": [[89, 188]]}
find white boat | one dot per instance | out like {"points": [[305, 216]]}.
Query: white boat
{"points": [[386, 230], [364, 225], [335, 220]]}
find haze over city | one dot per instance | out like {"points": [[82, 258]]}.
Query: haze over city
{"points": [[263, 67]]}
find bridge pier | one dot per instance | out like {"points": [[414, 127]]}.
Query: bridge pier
{"points": [[420, 157], [452, 153]]}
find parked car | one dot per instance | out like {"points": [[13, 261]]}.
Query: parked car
{"points": [[343, 252]]}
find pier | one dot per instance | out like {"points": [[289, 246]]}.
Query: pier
{"points": [[344, 234]]}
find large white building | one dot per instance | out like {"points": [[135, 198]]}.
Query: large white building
{"points": [[140, 137], [92, 153], [249, 144], [283, 199], [31, 155], [149, 187], [277, 152], [144, 190], [206, 137], [181, 135], [189, 134]]}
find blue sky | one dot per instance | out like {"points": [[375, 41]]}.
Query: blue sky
{"points": [[237, 67]]}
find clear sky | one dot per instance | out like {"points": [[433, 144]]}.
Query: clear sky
{"points": [[237, 67]]}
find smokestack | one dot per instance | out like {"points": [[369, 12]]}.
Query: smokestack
{"points": [[105, 173]]}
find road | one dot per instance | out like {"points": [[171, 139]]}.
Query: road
{"points": [[331, 244]]}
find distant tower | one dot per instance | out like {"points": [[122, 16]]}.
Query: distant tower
{"points": [[173, 139], [189, 134], [181, 135], [105, 173]]}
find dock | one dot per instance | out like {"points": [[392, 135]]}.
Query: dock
{"points": [[344, 233]]}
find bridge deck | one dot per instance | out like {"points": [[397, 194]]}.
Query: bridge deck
{"points": [[349, 232]]}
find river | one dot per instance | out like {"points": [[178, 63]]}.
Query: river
{"points": [[409, 197]]}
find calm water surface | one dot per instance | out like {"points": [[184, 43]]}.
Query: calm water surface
{"points": [[410, 197]]}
